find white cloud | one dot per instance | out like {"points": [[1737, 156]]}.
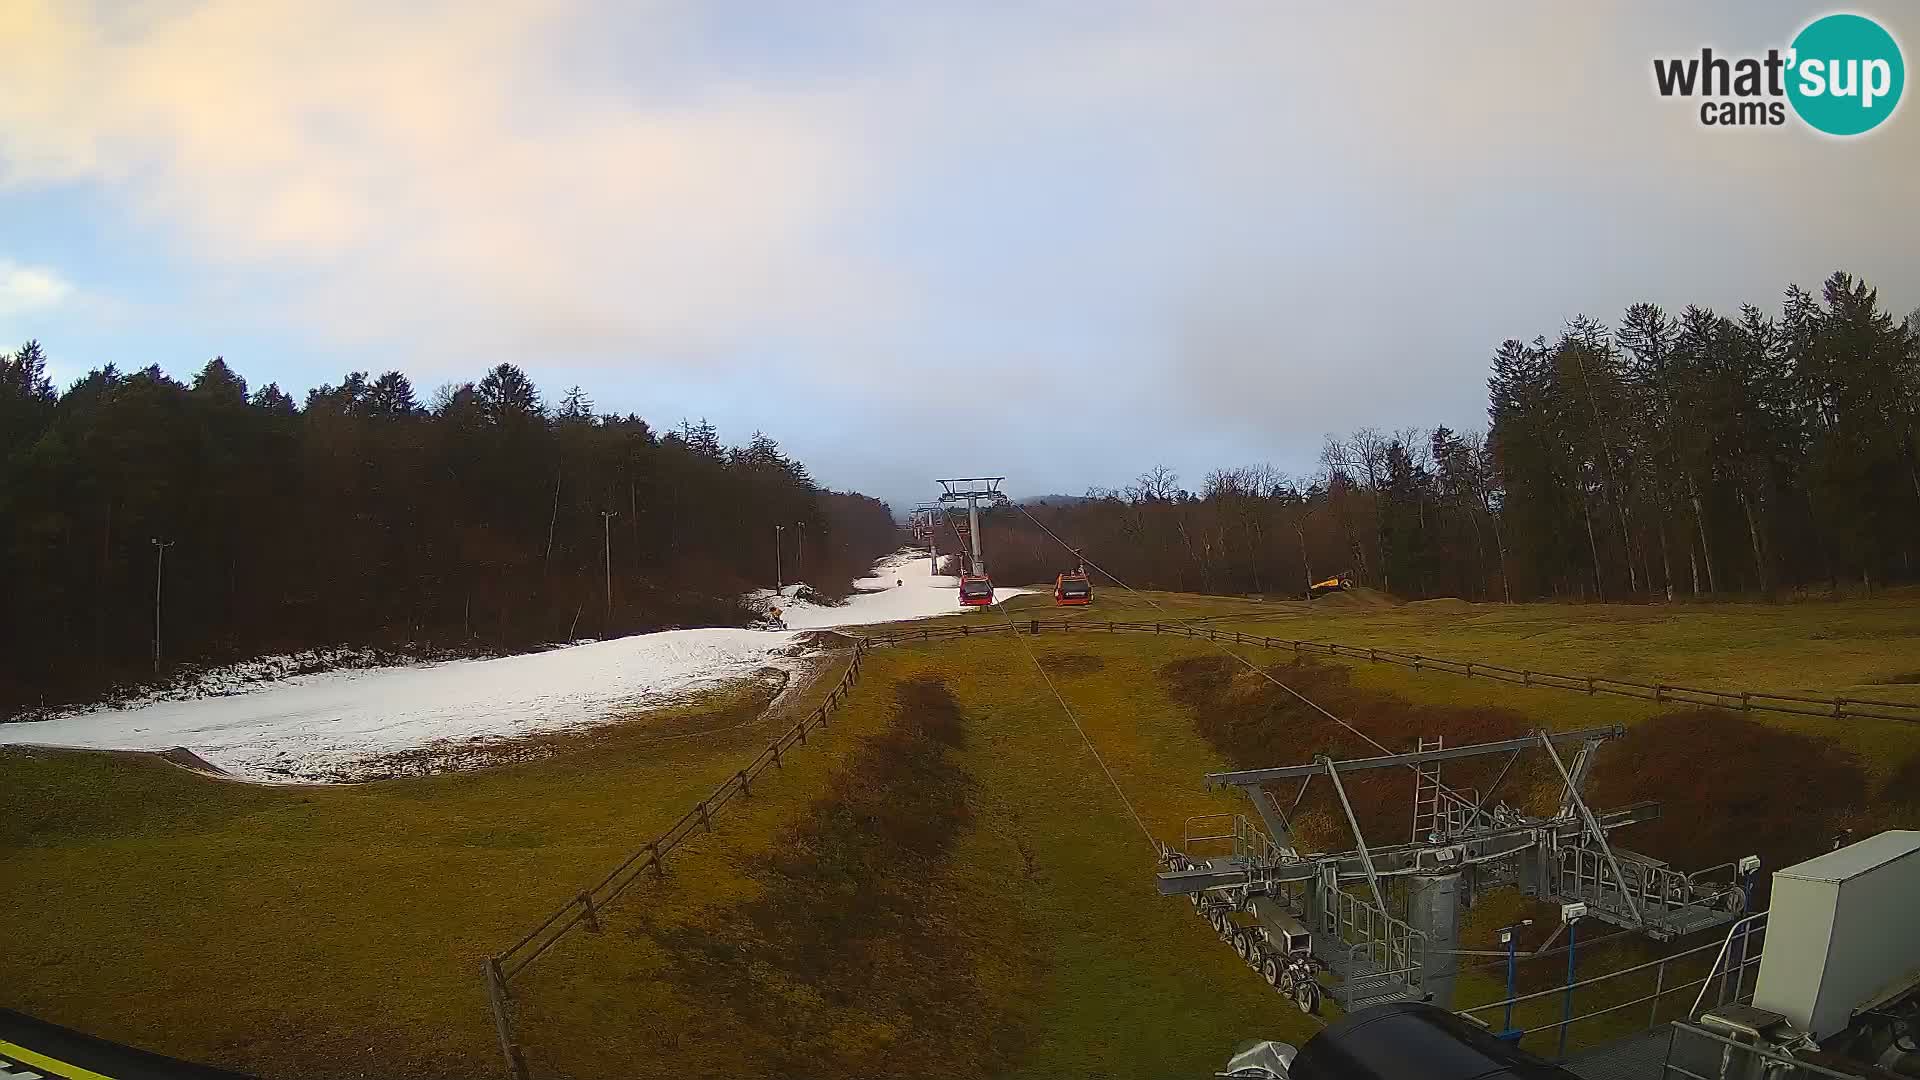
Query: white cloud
{"points": [[1222, 199], [25, 289]]}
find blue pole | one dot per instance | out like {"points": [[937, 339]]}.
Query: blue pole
{"points": [[1566, 1010]]}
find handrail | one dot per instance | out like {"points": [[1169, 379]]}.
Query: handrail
{"points": [[1779, 1060], [1725, 947]]}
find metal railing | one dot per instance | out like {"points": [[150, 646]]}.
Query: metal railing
{"points": [[1391, 946], [1247, 839], [1584, 873], [1844, 708], [588, 905], [1735, 953], [1726, 963], [1708, 1055]]}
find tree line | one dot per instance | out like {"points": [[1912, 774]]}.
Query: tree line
{"points": [[480, 519], [1668, 456]]}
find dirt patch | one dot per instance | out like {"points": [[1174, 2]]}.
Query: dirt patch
{"points": [[853, 958], [1356, 598], [1442, 603], [1072, 663], [1254, 723], [1902, 679], [1728, 787]]}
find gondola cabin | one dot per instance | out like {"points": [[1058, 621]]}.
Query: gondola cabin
{"points": [[1072, 590], [976, 590]]}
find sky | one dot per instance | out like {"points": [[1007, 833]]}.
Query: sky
{"points": [[1063, 242]]}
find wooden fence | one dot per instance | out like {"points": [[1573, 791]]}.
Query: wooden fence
{"points": [[1844, 708], [587, 906]]}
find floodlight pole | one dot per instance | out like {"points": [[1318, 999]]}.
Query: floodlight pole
{"points": [[159, 561], [606, 545]]}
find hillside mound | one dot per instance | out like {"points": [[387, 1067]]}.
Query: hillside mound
{"points": [[1442, 603], [1361, 598]]}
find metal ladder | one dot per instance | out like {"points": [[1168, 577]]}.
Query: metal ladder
{"points": [[1426, 792]]}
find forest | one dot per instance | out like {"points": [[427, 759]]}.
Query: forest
{"points": [[480, 520], [1667, 457]]}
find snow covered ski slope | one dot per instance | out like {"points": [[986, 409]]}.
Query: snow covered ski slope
{"points": [[902, 586], [346, 725], [355, 724]]}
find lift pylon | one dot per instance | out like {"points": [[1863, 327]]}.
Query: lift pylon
{"points": [[974, 490]]}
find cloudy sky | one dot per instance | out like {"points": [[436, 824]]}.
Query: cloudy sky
{"points": [[1060, 241]]}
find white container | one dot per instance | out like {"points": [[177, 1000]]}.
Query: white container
{"points": [[1844, 928]]}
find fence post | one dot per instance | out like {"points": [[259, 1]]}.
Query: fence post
{"points": [[1659, 692], [1156, 628], [497, 998], [593, 917], [746, 786], [1659, 980], [1526, 678], [1838, 704], [776, 755], [659, 864], [1034, 627], [1589, 686], [1296, 648], [1417, 658], [705, 819], [1746, 701], [1469, 668]]}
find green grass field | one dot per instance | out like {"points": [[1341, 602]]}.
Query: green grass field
{"points": [[339, 931]]}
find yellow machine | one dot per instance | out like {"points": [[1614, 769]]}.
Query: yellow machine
{"points": [[1337, 583]]}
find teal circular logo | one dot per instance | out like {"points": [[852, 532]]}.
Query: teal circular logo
{"points": [[1846, 74]]}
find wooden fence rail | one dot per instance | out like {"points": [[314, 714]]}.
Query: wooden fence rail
{"points": [[1841, 708], [586, 906]]}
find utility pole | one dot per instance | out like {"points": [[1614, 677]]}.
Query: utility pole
{"points": [[159, 561], [779, 575], [606, 545]]}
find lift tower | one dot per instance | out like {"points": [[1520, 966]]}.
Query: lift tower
{"points": [[974, 490], [926, 519], [1384, 918]]}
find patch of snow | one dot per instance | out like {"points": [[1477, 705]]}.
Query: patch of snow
{"points": [[902, 586], [342, 725]]}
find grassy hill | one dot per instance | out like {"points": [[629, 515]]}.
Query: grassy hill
{"points": [[945, 878]]}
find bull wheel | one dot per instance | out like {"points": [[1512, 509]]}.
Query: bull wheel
{"points": [[1270, 971], [1218, 920], [1306, 995], [1242, 943]]}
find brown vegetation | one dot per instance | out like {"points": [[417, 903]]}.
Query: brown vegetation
{"points": [[851, 959]]}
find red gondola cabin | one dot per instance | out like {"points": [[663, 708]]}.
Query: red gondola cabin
{"points": [[976, 590], [1072, 590]]}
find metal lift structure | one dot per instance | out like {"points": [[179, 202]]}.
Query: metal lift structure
{"points": [[973, 490], [1385, 920]]}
